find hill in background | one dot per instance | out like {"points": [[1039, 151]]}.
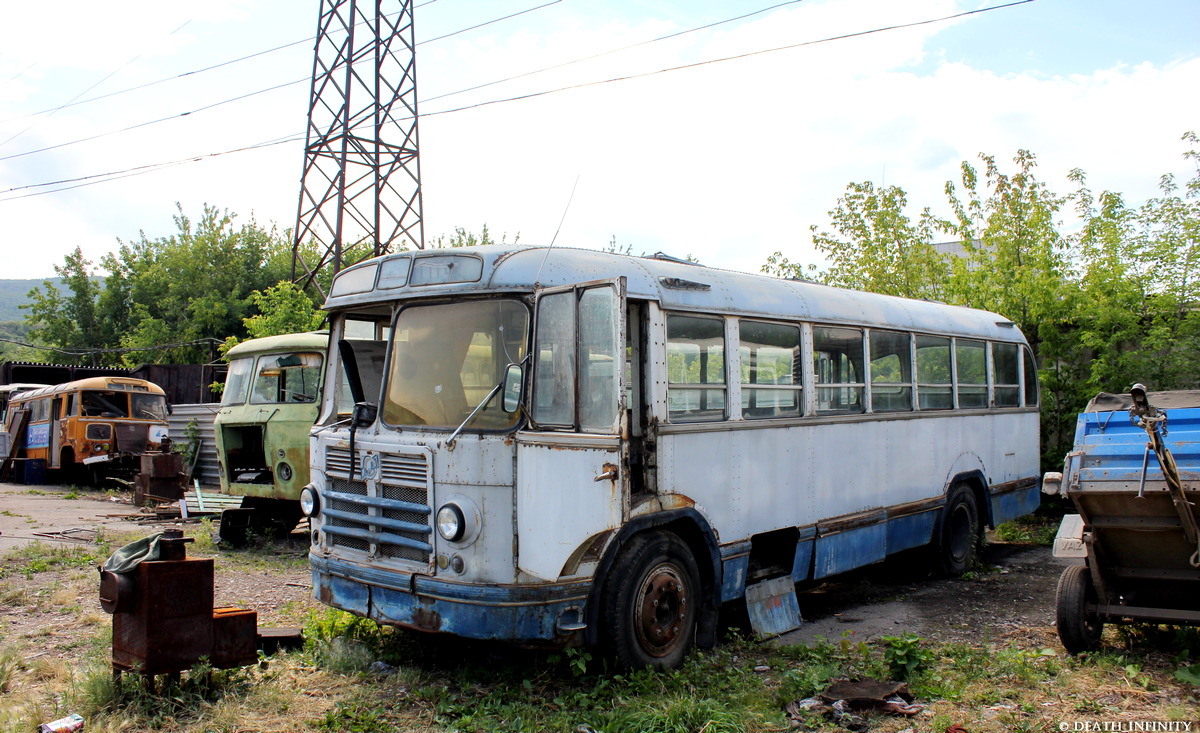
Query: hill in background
{"points": [[13, 293]]}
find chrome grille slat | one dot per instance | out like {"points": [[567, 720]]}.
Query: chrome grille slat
{"points": [[389, 516]]}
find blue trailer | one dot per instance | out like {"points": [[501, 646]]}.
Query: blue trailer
{"points": [[1133, 475]]}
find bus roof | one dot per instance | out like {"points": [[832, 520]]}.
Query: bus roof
{"points": [[312, 340], [677, 285], [105, 383]]}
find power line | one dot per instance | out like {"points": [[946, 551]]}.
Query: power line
{"points": [[612, 51], [75, 101], [85, 91], [291, 138], [238, 98], [727, 58], [92, 352], [138, 170]]}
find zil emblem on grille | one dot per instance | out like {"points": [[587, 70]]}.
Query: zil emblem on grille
{"points": [[370, 467]]}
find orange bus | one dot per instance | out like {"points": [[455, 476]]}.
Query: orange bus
{"points": [[90, 428]]}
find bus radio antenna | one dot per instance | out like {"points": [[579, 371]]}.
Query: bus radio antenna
{"points": [[538, 278]]}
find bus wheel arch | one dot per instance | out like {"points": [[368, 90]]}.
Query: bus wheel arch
{"points": [[686, 532]]}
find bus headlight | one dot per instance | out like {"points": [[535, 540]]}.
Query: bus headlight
{"points": [[310, 503], [284, 471], [451, 524]]}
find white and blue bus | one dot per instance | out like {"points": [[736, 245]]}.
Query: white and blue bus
{"points": [[558, 446]]}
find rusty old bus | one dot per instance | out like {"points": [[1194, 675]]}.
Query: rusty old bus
{"points": [[562, 446], [91, 428]]}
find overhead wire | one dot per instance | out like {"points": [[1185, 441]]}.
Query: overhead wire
{"points": [[291, 138], [723, 59], [75, 101], [108, 76], [243, 96]]}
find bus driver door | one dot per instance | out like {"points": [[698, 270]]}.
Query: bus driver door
{"points": [[572, 481]]}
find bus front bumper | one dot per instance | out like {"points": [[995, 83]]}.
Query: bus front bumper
{"points": [[548, 614]]}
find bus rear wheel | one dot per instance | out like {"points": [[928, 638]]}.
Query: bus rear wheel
{"points": [[958, 542], [651, 602], [1079, 630]]}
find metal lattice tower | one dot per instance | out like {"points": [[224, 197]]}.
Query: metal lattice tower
{"points": [[361, 185]]}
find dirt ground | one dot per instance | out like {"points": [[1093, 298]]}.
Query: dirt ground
{"points": [[280, 592], [1013, 596]]}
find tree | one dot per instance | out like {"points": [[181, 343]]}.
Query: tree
{"points": [[282, 308], [168, 299], [69, 320], [876, 246], [1116, 302]]}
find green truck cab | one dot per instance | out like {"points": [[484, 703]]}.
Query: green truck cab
{"points": [[271, 398]]}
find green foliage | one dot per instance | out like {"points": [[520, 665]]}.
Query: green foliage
{"points": [[1108, 304], [876, 246], [40, 557], [283, 308], [1189, 675], [905, 656], [197, 285], [353, 717]]}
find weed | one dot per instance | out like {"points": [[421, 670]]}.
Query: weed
{"points": [[1187, 675], [10, 662], [36, 492], [39, 557], [905, 656], [353, 717], [1029, 530], [678, 715], [72, 494]]}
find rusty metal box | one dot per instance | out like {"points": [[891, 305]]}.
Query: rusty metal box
{"points": [[170, 625], [235, 637]]}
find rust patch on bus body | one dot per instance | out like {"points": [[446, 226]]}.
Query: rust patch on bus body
{"points": [[427, 619]]}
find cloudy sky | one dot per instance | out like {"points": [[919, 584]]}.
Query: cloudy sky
{"points": [[727, 161]]}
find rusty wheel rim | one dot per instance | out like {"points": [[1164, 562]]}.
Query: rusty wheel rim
{"points": [[662, 610]]}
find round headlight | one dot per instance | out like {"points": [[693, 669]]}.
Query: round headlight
{"points": [[284, 472], [309, 503], [450, 522]]}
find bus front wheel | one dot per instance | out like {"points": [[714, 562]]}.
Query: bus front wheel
{"points": [[959, 539], [651, 602]]}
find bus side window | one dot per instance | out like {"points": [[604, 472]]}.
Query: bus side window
{"points": [[838, 366], [971, 362], [695, 368], [934, 383], [891, 371], [1006, 368]]}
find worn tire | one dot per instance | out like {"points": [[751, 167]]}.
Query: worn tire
{"points": [[959, 537], [1078, 630], [651, 602]]}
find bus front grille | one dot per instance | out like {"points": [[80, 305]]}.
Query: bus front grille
{"points": [[387, 514]]}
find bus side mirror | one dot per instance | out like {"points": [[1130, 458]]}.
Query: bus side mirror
{"points": [[511, 399], [364, 415]]}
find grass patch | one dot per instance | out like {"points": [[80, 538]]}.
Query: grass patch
{"points": [[1031, 529], [40, 557]]}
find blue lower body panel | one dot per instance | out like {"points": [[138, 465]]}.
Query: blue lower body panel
{"points": [[550, 612], [1013, 504]]}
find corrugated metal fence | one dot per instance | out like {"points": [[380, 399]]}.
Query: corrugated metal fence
{"points": [[207, 469]]}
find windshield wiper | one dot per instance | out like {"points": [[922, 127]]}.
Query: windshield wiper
{"points": [[480, 406]]}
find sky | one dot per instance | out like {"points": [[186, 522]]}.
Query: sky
{"points": [[727, 162]]}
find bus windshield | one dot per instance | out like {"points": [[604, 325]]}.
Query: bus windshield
{"points": [[236, 381], [446, 358], [97, 403], [287, 378]]}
